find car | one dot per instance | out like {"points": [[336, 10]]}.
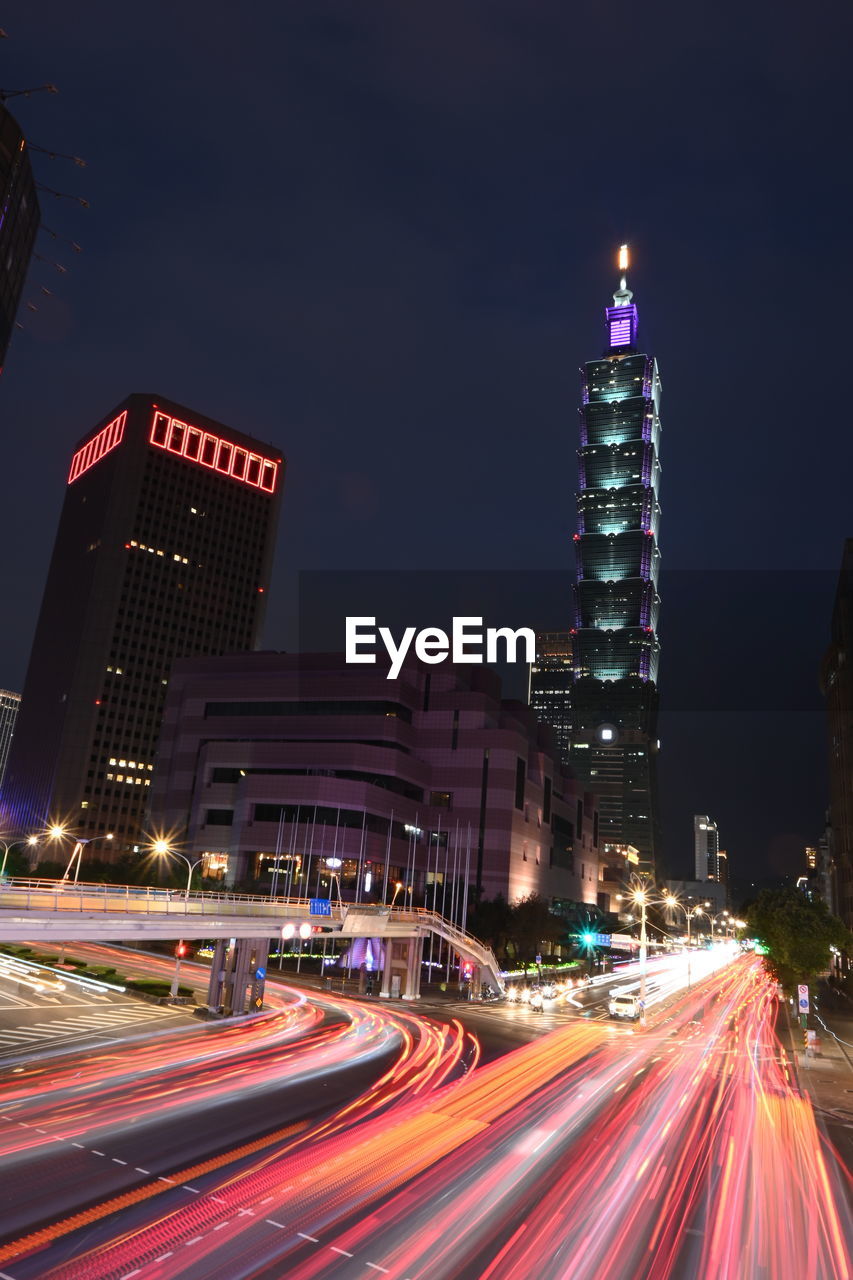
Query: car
{"points": [[624, 1004]]}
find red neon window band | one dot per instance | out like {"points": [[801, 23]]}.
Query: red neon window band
{"points": [[93, 450], [212, 451]]}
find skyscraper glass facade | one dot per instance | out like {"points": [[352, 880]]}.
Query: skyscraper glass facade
{"points": [[616, 604]]}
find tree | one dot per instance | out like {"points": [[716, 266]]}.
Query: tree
{"points": [[798, 932], [531, 922], [490, 921]]}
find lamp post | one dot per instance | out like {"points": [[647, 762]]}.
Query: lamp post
{"points": [[58, 832], [690, 914], [640, 897], [163, 849], [721, 915], [10, 844]]}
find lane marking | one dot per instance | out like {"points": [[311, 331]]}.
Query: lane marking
{"points": [[313, 1239], [335, 1249]]}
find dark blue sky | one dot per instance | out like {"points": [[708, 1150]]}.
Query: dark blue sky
{"points": [[381, 235]]}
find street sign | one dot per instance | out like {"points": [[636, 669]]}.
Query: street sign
{"points": [[803, 998], [602, 939], [260, 973], [320, 906]]}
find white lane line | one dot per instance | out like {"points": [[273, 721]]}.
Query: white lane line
{"points": [[4, 1275], [218, 1199], [194, 1190], [96, 1153], [145, 1171], [117, 1161], [376, 1267], [78, 1144], [194, 1240], [220, 1226], [160, 1257], [334, 1248], [313, 1239], [172, 1180], [280, 1225]]}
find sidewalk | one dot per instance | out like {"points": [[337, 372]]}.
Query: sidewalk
{"points": [[827, 1079]]}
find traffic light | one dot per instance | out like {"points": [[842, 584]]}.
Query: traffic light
{"points": [[180, 950]]}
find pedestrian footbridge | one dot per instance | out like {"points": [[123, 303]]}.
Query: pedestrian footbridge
{"points": [[240, 926]]}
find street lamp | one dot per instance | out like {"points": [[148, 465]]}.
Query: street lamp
{"points": [[639, 895], [10, 844], [163, 849], [57, 832], [690, 914], [721, 915]]}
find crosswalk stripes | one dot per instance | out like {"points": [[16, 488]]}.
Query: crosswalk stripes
{"points": [[103, 1020]]}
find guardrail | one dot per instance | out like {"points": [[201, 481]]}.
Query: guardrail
{"points": [[85, 898]]}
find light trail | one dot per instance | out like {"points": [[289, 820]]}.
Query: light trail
{"points": [[589, 1154]]}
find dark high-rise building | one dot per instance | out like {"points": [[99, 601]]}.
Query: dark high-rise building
{"points": [[614, 639], [9, 706], [550, 688], [19, 221], [163, 551], [837, 684]]}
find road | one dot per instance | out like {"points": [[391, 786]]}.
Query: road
{"points": [[684, 1149], [41, 1012]]}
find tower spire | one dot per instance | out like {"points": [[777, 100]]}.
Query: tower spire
{"points": [[623, 295]]}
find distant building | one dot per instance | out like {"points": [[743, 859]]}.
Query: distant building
{"points": [[617, 863], [614, 698], [550, 693], [19, 222], [706, 847], [9, 704], [811, 857], [339, 780], [837, 685], [696, 893], [163, 550]]}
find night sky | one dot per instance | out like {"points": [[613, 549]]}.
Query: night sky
{"points": [[382, 235]]}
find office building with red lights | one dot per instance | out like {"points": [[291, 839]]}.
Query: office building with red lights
{"points": [[302, 774], [163, 551]]}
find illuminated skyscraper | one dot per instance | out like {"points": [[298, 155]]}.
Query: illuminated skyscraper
{"points": [[706, 847], [19, 221], [549, 693], [614, 639], [163, 551]]}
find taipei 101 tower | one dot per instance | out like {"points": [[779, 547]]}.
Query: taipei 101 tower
{"points": [[615, 649]]}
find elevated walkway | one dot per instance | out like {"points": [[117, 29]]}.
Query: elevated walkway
{"points": [[55, 910]]}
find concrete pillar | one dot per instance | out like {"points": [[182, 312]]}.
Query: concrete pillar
{"points": [[414, 956], [385, 990], [217, 976], [233, 985]]}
